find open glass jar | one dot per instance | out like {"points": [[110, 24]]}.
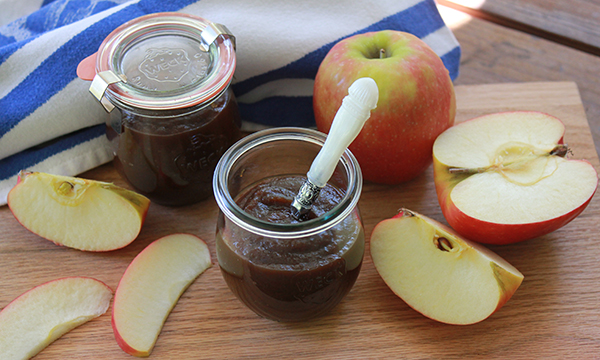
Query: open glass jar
{"points": [[281, 268], [164, 79]]}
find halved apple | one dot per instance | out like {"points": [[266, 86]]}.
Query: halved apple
{"points": [[43, 314], [504, 177], [78, 213], [151, 286], [438, 273]]}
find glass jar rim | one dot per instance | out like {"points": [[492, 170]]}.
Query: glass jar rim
{"points": [[284, 231], [123, 94]]}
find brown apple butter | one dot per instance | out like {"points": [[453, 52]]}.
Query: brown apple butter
{"points": [[290, 279], [164, 79], [171, 159]]}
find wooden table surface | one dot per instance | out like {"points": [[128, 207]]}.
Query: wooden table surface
{"points": [[554, 314], [538, 55], [574, 23]]}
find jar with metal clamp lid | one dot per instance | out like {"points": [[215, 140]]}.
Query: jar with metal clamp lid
{"points": [[165, 81]]}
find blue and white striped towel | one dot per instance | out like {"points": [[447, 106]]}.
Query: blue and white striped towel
{"points": [[49, 122]]}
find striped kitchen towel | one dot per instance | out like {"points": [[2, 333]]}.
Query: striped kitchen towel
{"points": [[50, 122]]}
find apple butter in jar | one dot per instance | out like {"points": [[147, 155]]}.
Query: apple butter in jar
{"points": [[164, 79], [281, 267]]}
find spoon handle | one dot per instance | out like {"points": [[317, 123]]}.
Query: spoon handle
{"points": [[348, 122]]}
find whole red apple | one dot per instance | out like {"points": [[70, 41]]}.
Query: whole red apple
{"points": [[416, 101]]}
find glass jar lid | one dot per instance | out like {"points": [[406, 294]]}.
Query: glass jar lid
{"points": [[164, 61]]}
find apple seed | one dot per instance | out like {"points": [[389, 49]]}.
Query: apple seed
{"points": [[443, 244], [560, 150], [65, 188]]}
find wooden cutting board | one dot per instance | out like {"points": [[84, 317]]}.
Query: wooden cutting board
{"points": [[554, 314]]}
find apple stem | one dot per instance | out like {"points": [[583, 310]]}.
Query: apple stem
{"points": [[467, 170], [382, 54], [559, 150]]}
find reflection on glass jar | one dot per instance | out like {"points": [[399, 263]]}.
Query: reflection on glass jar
{"points": [[171, 159], [282, 268], [165, 84]]}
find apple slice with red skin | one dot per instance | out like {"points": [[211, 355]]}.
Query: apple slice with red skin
{"points": [[437, 272], [41, 315], [78, 213], [503, 178], [151, 287]]}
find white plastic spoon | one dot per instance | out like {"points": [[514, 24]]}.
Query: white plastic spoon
{"points": [[348, 121]]}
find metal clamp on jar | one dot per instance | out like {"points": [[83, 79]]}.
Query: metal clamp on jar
{"points": [[164, 81]]}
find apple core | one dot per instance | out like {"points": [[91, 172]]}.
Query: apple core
{"points": [[505, 177]]}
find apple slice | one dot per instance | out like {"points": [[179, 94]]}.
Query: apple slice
{"points": [[43, 314], [504, 177], [151, 286], [439, 274], [78, 213]]}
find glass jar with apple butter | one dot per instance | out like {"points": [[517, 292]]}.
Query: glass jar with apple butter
{"points": [[281, 267], [164, 79]]}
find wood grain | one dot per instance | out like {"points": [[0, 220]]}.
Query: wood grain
{"points": [[554, 314], [574, 21]]}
